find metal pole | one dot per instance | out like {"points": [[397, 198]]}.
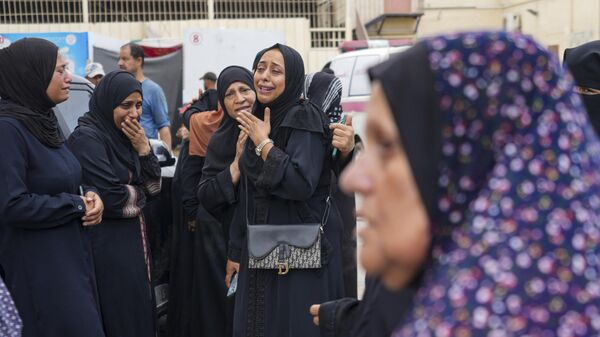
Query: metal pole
{"points": [[211, 9], [86, 12], [349, 21]]}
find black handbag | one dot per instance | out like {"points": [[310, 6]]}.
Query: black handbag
{"points": [[285, 246]]}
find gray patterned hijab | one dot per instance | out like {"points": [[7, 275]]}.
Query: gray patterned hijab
{"points": [[324, 90]]}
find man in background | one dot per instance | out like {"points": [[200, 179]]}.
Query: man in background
{"points": [[94, 72], [155, 117]]}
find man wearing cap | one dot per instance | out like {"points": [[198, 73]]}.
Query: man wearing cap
{"points": [[94, 72], [208, 99], [210, 81], [155, 117]]}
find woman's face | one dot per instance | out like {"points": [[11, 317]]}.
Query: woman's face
{"points": [[269, 77], [130, 108], [58, 89], [396, 240], [238, 97]]}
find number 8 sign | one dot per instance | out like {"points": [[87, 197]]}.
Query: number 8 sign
{"points": [[195, 38]]}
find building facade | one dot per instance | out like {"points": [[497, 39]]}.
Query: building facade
{"points": [[314, 27]]}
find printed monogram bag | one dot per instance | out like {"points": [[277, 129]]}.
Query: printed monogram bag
{"points": [[285, 246]]}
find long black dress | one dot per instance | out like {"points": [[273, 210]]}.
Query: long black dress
{"points": [[217, 198], [45, 256], [268, 304], [289, 187], [124, 179], [119, 243]]}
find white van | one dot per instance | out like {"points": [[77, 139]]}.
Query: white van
{"points": [[351, 68]]}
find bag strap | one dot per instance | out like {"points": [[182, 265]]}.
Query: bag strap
{"points": [[326, 212]]}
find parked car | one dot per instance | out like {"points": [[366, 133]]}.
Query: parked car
{"points": [[158, 211], [351, 68]]}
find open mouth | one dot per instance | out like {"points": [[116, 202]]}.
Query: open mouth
{"points": [[245, 107], [265, 90]]}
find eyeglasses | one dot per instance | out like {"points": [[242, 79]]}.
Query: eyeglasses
{"points": [[586, 91]]}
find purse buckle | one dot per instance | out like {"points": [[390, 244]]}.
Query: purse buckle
{"points": [[283, 267]]}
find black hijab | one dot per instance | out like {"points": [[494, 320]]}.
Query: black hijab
{"points": [[26, 69], [109, 93], [222, 145], [288, 111], [584, 64], [408, 85]]}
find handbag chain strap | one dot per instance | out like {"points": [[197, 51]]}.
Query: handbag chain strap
{"points": [[325, 212]]}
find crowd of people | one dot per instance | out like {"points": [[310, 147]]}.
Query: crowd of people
{"points": [[480, 184]]}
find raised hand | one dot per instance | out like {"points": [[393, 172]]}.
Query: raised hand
{"points": [[230, 268], [234, 168], [343, 136], [135, 132], [257, 129]]}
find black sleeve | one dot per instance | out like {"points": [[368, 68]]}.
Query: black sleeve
{"points": [[191, 172], [120, 200], [19, 207], [340, 163], [151, 179], [337, 318], [217, 191], [237, 229], [293, 174], [199, 106]]}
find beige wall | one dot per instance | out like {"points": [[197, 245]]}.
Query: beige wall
{"points": [[562, 23], [566, 23], [440, 21], [367, 9], [397, 6], [317, 58]]}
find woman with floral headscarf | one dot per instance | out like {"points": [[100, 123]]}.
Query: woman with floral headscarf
{"points": [[482, 168]]}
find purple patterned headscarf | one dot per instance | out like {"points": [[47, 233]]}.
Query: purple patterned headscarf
{"points": [[516, 227]]}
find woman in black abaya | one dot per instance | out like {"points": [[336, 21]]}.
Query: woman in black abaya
{"points": [[218, 195], [44, 250], [116, 158], [288, 182]]}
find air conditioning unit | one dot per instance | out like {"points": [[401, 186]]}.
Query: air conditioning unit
{"points": [[512, 22]]}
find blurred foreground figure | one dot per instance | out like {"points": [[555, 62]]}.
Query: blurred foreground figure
{"points": [[485, 175]]}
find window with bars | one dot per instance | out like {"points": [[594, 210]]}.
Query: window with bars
{"points": [[40, 11], [148, 10], [321, 13], [327, 17]]}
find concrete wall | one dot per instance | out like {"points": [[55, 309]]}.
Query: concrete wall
{"points": [[367, 9], [558, 23], [397, 6], [447, 20], [563, 23]]}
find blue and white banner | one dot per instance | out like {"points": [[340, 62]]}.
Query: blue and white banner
{"points": [[73, 45]]}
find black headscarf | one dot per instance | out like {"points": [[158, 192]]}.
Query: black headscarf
{"points": [[26, 69], [288, 111], [222, 145], [109, 93], [584, 64], [408, 85]]}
